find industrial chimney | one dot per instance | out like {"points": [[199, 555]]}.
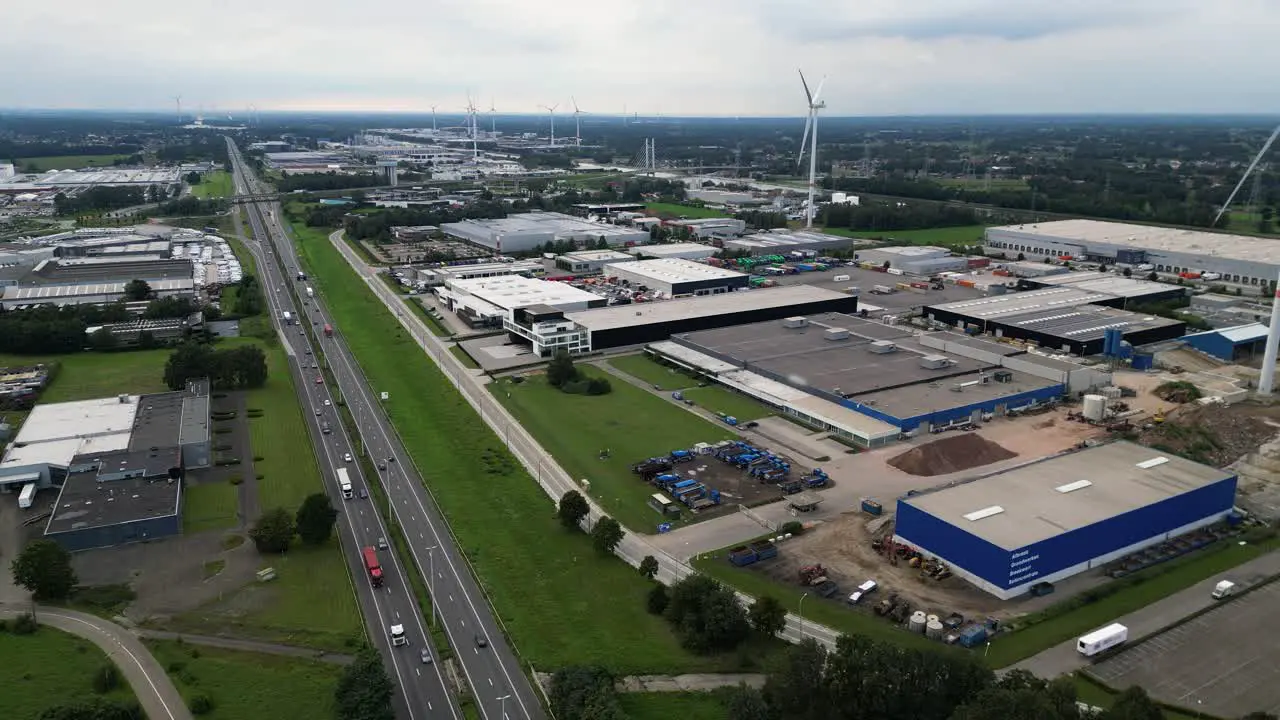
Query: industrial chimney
{"points": [[1268, 379]]}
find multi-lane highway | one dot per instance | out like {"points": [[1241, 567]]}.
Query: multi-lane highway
{"points": [[488, 665]]}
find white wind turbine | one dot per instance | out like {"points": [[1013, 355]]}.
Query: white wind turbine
{"points": [[471, 112], [493, 118], [577, 123], [551, 109], [811, 136], [433, 119]]}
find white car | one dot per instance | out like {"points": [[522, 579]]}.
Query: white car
{"points": [[327, 403], [346, 457], [863, 590]]}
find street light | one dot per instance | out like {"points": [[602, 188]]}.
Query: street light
{"points": [[800, 612], [503, 700], [431, 581]]}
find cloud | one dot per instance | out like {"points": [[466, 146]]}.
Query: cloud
{"points": [[669, 57]]}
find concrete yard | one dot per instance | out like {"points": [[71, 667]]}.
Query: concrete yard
{"points": [[1225, 662], [864, 280]]}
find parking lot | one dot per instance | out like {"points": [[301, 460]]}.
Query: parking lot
{"points": [[1225, 662], [864, 280]]}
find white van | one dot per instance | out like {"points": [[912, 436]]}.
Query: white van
{"points": [[1103, 639], [1224, 589], [840, 278]]}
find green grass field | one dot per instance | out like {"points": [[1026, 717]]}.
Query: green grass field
{"points": [[48, 668], [642, 368], [467, 361], [88, 375], [980, 183], [712, 397], [68, 162], [543, 580], [676, 210], [945, 237], [249, 686], [631, 423], [280, 438], [217, 184], [673, 706], [209, 506]]}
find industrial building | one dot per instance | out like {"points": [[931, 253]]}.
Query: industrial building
{"points": [[674, 277], [1062, 318], [441, 275], [117, 464], [915, 259], [97, 281], [781, 242], [527, 232], [683, 251], [1241, 343], [584, 262], [1131, 291], [68, 179], [489, 302], [890, 378], [1061, 516], [1237, 258], [709, 228]]}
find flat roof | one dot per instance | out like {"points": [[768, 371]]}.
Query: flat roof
{"points": [[811, 405], [997, 306], [674, 249], [1108, 284], [597, 255], [928, 397], [783, 240], [536, 222], [54, 292], [513, 291], [619, 316], [1251, 332], [1085, 322], [86, 503], [1148, 237], [56, 432], [1035, 503], [674, 270], [158, 421]]}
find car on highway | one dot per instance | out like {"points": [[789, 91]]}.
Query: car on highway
{"points": [[326, 402], [319, 380], [319, 412], [308, 351], [481, 641], [382, 543], [346, 457], [426, 656], [382, 466]]}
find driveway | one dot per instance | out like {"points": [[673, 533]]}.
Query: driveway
{"points": [[160, 699]]}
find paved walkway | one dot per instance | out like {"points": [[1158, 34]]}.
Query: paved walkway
{"points": [[228, 643], [157, 694], [1063, 659]]}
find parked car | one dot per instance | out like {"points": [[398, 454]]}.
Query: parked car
{"points": [[863, 590]]}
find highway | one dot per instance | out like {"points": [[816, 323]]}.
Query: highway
{"points": [[489, 665], [422, 692]]}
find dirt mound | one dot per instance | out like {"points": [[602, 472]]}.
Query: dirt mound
{"points": [[1215, 435], [950, 454]]}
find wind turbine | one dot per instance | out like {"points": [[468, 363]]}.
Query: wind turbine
{"points": [[811, 135], [577, 123], [493, 118], [433, 119], [471, 110], [178, 99], [552, 110], [1245, 177]]}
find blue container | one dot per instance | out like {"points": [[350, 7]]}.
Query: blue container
{"points": [[1143, 361]]}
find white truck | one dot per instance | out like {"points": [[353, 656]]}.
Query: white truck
{"points": [[287, 316], [397, 635], [310, 293], [1102, 639], [27, 496], [882, 290], [1224, 589]]}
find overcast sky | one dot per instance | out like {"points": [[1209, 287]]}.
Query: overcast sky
{"points": [[669, 57]]}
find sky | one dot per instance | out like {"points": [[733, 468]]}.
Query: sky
{"points": [[652, 57]]}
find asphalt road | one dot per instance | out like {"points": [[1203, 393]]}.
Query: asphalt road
{"points": [[422, 692], [156, 693], [493, 673]]}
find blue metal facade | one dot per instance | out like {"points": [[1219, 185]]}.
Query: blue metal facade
{"points": [[118, 534], [942, 417], [1212, 343], [1011, 568]]}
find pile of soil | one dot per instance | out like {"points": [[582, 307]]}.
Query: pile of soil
{"points": [[1215, 435], [950, 454], [1178, 391]]}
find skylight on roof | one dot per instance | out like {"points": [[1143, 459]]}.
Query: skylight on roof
{"points": [[1072, 487], [1153, 462], [984, 513]]}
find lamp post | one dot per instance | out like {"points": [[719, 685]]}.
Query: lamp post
{"points": [[431, 581], [503, 700], [800, 612]]}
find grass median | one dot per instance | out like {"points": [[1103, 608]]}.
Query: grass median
{"points": [[560, 601]]}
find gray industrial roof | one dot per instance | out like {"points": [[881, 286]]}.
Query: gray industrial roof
{"points": [[620, 316], [992, 307], [1149, 237], [672, 270], [84, 502], [1108, 284], [928, 397], [53, 292], [1086, 322], [157, 422], [1043, 499]]}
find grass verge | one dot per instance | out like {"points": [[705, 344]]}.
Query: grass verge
{"points": [[46, 669], [689, 211], [505, 524], [88, 375], [467, 361], [654, 374], [68, 162], [249, 686], [209, 506], [217, 184], [669, 705], [630, 423]]}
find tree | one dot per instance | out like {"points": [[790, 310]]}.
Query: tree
{"points": [[364, 690], [657, 600], [274, 531], [1019, 695], [606, 534], [106, 678], [102, 340], [1134, 704], [584, 693], [796, 689], [315, 519], [1153, 277], [1128, 272], [747, 703], [649, 567], [706, 615], [1259, 715], [94, 709], [137, 290], [44, 568], [768, 616], [573, 507], [561, 370]]}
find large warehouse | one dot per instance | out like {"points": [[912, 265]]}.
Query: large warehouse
{"points": [[529, 231], [781, 242], [1061, 318], [1237, 258], [675, 277], [1125, 292], [1058, 517], [490, 301]]}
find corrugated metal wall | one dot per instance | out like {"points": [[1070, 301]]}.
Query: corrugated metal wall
{"points": [[120, 534]]}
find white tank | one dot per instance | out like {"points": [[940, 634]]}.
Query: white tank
{"points": [[932, 619], [917, 622], [933, 630], [1095, 407]]}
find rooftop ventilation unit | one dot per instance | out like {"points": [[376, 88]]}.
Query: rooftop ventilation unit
{"points": [[835, 333], [1002, 376], [795, 322], [880, 347], [935, 362]]}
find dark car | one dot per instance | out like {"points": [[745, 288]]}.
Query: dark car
{"points": [[482, 641], [364, 494]]}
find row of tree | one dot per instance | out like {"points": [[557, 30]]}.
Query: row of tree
{"points": [[99, 198], [236, 368], [875, 215], [315, 182], [274, 530], [566, 377], [192, 206]]}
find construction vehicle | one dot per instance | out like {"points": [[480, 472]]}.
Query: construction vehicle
{"points": [[1158, 417], [790, 487], [816, 479], [682, 456], [886, 606], [812, 574], [827, 588]]}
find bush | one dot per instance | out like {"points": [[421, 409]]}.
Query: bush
{"points": [[793, 527], [176, 666], [658, 599], [201, 704], [24, 624], [235, 480], [106, 679], [257, 458]]}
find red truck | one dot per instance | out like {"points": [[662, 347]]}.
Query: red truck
{"points": [[372, 566], [328, 330]]}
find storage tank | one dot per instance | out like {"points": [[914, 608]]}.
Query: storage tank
{"points": [[932, 619], [917, 622], [933, 629], [1095, 407]]}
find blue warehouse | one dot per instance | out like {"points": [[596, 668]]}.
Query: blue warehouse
{"points": [[1064, 515], [1233, 344]]}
